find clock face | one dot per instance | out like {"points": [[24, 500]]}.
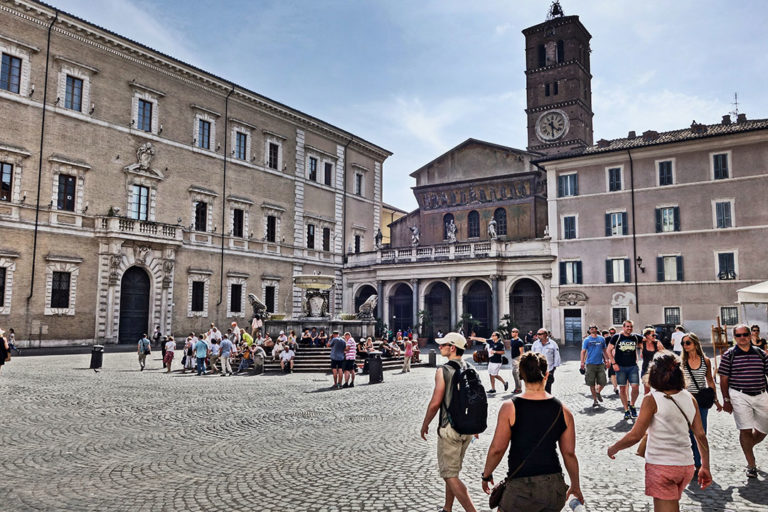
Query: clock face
{"points": [[552, 125]]}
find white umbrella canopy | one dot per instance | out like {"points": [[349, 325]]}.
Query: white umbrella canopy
{"points": [[755, 294]]}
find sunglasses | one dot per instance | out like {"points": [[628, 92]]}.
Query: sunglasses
{"points": [[686, 343], [740, 335], [755, 330]]}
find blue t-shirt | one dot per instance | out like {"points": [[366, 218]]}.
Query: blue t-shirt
{"points": [[201, 349], [338, 347], [594, 347], [226, 347]]}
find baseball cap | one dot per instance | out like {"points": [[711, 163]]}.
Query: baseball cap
{"points": [[453, 338]]}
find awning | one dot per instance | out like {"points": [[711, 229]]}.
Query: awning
{"points": [[755, 294]]}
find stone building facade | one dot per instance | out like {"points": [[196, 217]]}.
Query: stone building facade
{"points": [[138, 190]]}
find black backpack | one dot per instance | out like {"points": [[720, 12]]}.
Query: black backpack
{"points": [[468, 409]]}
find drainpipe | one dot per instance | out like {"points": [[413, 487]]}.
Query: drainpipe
{"points": [[224, 199], [634, 232], [40, 162]]}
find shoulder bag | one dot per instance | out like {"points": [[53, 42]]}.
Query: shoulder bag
{"points": [[644, 441], [495, 498], [704, 397]]}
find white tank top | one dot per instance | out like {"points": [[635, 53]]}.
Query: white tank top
{"points": [[668, 441]]}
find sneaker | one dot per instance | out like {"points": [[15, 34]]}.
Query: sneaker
{"points": [[595, 404], [627, 415], [351, 384], [616, 390], [633, 411], [490, 391], [599, 397], [345, 385], [506, 386], [751, 472]]}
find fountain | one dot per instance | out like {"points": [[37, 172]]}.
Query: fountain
{"points": [[316, 295]]}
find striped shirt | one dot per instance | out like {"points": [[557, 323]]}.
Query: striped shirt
{"points": [[746, 371]]}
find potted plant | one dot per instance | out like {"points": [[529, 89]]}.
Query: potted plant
{"points": [[423, 326]]}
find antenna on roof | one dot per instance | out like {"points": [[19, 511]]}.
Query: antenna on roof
{"points": [[555, 11], [735, 112]]}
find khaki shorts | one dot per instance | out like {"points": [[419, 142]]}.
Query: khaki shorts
{"points": [[750, 411], [595, 374], [543, 493], [451, 447]]}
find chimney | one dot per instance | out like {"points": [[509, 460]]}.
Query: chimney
{"points": [[698, 128], [603, 143], [741, 118], [650, 135], [726, 119], [631, 135]]}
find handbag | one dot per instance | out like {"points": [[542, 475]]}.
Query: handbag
{"points": [[644, 441], [704, 397], [504, 360], [498, 491]]}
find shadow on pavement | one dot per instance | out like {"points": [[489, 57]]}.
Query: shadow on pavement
{"points": [[714, 498]]}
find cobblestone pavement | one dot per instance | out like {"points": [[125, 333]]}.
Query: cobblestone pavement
{"points": [[128, 440]]}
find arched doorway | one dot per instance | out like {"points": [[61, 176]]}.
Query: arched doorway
{"points": [[362, 295], [438, 305], [401, 308], [134, 305], [477, 302], [525, 306]]}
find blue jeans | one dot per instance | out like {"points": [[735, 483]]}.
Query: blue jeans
{"points": [[696, 455], [200, 365]]}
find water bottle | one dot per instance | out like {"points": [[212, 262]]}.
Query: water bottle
{"points": [[576, 505]]}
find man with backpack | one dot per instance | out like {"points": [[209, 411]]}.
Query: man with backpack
{"points": [[460, 398]]}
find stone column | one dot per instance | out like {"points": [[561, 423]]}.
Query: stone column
{"points": [[380, 303], [415, 301], [494, 302], [454, 320]]}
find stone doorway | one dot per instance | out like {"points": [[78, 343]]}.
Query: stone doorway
{"points": [[401, 309], [477, 302], [134, 305], [438, 304], [525, 306]]}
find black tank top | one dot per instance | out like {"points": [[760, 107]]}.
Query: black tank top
{"points": [[647, 357], [532, 419]]}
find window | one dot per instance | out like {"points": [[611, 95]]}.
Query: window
{"points": [[567, 185], [555, 88], [542, 56], [358, 184], [60, 290], [201, 217], [357, 243], [10, 78], [269, 298], [570, 272], [560, 51], [273, 150], [73, 97], [500, 216], [473, 224], [140, 203], [729, 315], [720, 166], [667, 219], [669, 268], [546, 89], [203, 134], [447, 219], [144, 117], [66, 196], [241, 145], [313, 168], [665, 173], [2, 287], [616, 224], [238, 216], [618, 316], [726, 265], [327, 239], [198, 296], [271, 234], [614, 179], [328, 173], [723, 218], [672, 315], [236, 298], [569, 227], [617, 270], [6, 181], [310, 236]]}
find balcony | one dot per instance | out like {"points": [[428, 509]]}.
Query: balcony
{"points": [[452, 252], [123, 227]]}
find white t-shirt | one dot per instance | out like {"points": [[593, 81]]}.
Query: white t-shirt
{"points": [[170, 346], [287, 355], [677, 340]]}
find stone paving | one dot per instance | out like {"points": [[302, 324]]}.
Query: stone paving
{"points": [[122, 439]]}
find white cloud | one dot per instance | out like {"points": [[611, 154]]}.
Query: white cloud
{"points": [[502, 29]]}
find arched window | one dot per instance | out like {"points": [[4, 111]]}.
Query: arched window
{"points": [[447, 218], [473, 224], [500, 216]]}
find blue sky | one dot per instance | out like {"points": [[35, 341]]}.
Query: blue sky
{"points": [[418, 78]]}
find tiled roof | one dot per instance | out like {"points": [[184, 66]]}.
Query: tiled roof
{"points": [[651, 138]]}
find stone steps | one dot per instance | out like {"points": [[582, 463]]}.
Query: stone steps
{"points": [[318, 359]]}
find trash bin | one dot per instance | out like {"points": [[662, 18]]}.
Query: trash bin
{"points": [[375, 368], [432, 358], [97, 356]]}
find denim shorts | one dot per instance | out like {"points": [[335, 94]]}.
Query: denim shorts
{"points": [[627, 374]]}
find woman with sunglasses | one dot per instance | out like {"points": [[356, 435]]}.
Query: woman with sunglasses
{"points": [[755, 337], [651, 346], [697, 369]]}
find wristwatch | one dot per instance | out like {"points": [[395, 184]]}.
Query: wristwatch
{"points": [[726, 399], [488, 478]]}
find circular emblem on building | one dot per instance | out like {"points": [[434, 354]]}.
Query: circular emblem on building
{"points": [[552, 125]]}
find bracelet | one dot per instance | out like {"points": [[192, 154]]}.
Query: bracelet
{"points": [[488, 478], [726, 399]]}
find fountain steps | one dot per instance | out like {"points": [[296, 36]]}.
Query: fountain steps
{"points": [[310, 360]]}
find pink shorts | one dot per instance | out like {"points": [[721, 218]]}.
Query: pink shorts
{"points": [[667, 482]]}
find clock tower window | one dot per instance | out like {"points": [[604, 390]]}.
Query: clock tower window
{"points": [[560, 51], [542, 56]]}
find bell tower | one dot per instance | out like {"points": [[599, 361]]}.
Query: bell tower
{"points": [[558, 84]]}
